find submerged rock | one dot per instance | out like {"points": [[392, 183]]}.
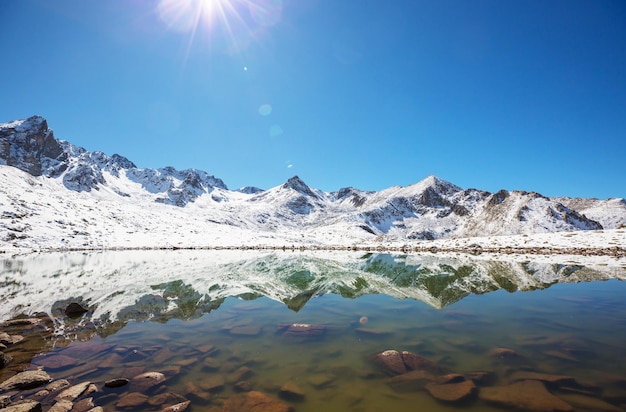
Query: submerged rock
{"points": [[301, 329], [146, 381], [395, 362], [531, 395], [452, 392], [291, 391], [116, 383], [255, 401], [132, 400]]}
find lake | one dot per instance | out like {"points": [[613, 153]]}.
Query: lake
{"points": [[304, 331]]}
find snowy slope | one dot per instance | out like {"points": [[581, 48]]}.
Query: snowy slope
{"points": [[57, 195]]}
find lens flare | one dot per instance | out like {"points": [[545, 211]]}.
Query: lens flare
{"points": [[236, 22]]}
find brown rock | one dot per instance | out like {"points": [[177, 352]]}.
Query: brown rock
{"points": [[413, 362], [411, 381], [23, 406], [177, 408], [589, 403], [25, 380], [132, 400], [452, 392], [291, 391], [391, 362], [73, 392], [531, 395], [57, 385], [254, 401], [450, 378], [83, 405], [146, 381], [167, 398], [558, 380], [240, 374], [192, 391], [63, 405], [116, 383]]}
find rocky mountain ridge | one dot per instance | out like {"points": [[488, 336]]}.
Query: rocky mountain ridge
{"points": [[430, 209]]}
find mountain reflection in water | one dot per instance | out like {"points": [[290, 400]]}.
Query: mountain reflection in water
{"points": [[121, 286]]}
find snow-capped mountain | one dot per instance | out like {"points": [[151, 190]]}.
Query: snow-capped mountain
{"points": [[57, 195]]}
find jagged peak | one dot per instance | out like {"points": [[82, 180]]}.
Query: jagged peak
{"points": [[297, 184]]}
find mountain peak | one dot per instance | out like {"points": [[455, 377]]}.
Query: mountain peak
{"points": [[297, 184]]}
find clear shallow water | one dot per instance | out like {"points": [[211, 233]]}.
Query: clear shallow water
{"points": [[551, 318]]}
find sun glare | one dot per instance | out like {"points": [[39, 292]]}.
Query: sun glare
{"points": [[236, 21]]}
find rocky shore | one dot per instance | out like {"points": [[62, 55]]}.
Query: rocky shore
{"points": [[94, 376]]}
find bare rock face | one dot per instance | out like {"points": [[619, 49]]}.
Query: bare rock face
{"points": [[528, 395], [30, 146]]}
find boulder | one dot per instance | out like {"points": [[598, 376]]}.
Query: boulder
{"points": [[62, 406], [394, 362], [390, 361], [146, 381], [23, 406], [73, 392], [254, 401], [25, 380], [132, 400], [530, 395]]}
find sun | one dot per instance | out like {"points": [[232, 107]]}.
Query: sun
{"points": [[235, 20]]}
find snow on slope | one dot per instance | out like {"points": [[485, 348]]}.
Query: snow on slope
{"points": [[57, 195]]}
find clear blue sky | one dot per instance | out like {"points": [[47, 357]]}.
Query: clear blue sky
{"points": [[527, 95]]}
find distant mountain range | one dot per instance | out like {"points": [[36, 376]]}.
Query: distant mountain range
{"points": [[55, 194]]}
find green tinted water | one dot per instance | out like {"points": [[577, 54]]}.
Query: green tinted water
{"points": [[575, 330]]}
